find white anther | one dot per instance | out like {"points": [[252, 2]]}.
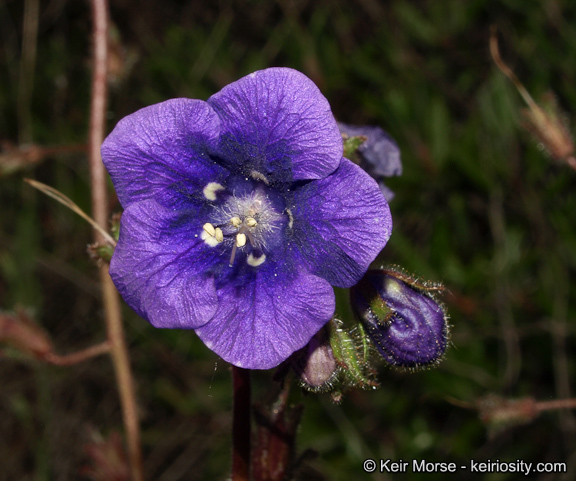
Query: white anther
{"points": [[256, 261], [236, 221], [240, 240], [259, 176], [209, 239], [250, 221], [219, 234], [210, 190], [209, 229]]}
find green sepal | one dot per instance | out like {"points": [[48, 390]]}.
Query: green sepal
{"points": [[351, 357], [100, 253], [351, 145], [115, 226]]}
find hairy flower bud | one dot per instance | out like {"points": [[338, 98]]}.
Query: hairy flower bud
{"points": [[402, 317], [545, 120], [547, 123], [315, 364]]}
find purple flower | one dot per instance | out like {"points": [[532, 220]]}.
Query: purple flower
{"points": [[379, 154], [402, 317], [239, 214]]}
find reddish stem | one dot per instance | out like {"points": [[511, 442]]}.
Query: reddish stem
{"points": [[111, 301], [98, 112], [241, 425], [556, 404], [77, 357]]}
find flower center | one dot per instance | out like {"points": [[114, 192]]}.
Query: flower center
{"points": [[245, 223]]}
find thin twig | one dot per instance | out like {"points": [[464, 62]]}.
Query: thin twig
{"points": [[114, 327], [241, 432], [60, 197], [494, 51], [77, 357], [27, 68], [556, 404]]}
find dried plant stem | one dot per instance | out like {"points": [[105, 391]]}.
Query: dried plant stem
{"points": [[241, 425], [556, 404], [539, 406], [45, 150], [494, 51], [124, 377], [111, 301], [77, 357], [60, 197], [27, 68]]}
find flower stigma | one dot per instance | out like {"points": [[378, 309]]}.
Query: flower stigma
{"points": [[211, 189], [244, 222]]}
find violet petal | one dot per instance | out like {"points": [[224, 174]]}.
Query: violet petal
{"points": [[261, 323], [161, 151], [277, 123], [340, 224], [157, 267]]}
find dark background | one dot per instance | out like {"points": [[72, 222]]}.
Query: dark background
{"points": [[480, 207]]}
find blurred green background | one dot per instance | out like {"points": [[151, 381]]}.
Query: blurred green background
{"points": [[479, 207]]}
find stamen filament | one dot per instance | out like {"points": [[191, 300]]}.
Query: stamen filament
{"points": [[240, 242], [233, 255], [250, 237]]}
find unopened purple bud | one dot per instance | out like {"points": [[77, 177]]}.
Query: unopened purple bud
{"points": [[379, 155], [315, 364], [402, 317]]}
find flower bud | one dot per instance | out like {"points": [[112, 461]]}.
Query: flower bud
{"points": [[402, 317], [315, 364], [545, 120], [374, 150], [548, 125]]}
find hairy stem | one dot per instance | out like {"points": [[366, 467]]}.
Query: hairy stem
{"points": [[241, 432], [111, 301]]}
